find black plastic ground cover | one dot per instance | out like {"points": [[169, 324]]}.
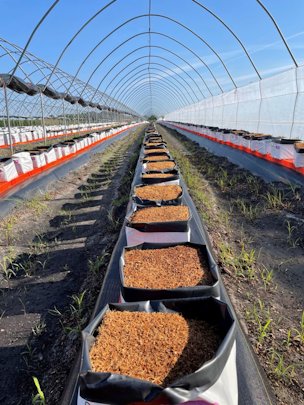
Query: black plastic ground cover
{"points": [[269, 172], [253, 385], [41, 182]]}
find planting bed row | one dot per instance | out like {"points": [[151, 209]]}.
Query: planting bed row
{"points": [[169, 339], [23, 165], [285, 152], [29, 134]]}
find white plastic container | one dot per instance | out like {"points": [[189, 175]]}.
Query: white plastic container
{"points": [[8, 170], [23, 162]]}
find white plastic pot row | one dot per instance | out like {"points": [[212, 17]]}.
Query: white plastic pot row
{"points": [[24, 162], [277, 149], [32, 133]]}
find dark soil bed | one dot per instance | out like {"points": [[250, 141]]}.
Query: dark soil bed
{"points": [[158, 193], [156, 347], [165, 268]]}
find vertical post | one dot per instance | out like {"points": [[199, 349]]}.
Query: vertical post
{"points": [[64, 119], [8, 118], [42, 118], [78, 117]]}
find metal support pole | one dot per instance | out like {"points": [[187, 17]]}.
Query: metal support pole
{"points": [[8, 118], [42, 118], [64, 119], [78, 122]]}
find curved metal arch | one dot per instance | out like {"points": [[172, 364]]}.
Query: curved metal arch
{"points": [[127, 95], [156, 84], [232, 32], [279, 31], [199, 37], [142, 16], [149, 32], [77, 33], [157, 57], [152, 68], [143, 94], [186, 47], [135, 50], [33, 33], [176, 90], [158, 106], [149, 47], [127, 82], [143, 90]]}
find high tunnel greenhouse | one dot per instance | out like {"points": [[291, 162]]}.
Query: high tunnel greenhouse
{"points": [[152, 202]]}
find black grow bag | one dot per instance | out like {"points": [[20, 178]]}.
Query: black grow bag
{"points": [[170, 226], [142, 294], [155, 180], [162, 170], [299, 147], [160, 145], [158, 203], [285, 141], [147, 158], [115, 389]]}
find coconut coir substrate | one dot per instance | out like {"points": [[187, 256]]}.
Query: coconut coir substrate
{"points": [[160, 165], [156, 150], [158, 193], [150, 215], [156, 347], [157, 158], [166, 268], [157, 175]]}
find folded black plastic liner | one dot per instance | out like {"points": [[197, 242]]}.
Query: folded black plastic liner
{"points": [[116, 389]]}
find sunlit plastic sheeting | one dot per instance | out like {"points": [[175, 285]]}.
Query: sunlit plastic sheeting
{"points": [[272, 106]]}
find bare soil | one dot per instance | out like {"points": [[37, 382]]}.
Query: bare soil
{"points": [[157, 347], [161, 214], [166, 268], [158, 193], [257, 232], [54, 252]]}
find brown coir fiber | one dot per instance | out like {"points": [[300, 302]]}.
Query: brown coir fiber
{"points": [[157, 175], [166, 268], [160, 165], [157, 158], [156, 150], [158, 193], [160, 214], [156, 347], [155, 145]]}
